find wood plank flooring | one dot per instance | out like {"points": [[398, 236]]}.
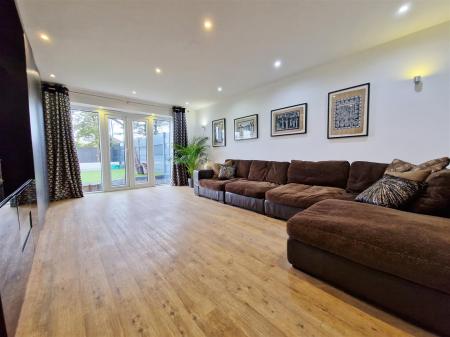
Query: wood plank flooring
{"points": [[163, 262]]}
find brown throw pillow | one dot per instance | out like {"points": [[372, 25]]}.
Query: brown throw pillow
{"points": [[419, 175], [390, 191], [216, 168], [434, 165]]}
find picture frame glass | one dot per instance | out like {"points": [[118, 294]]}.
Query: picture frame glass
{"points": [[348, 112], [289, 120], [218, 132], [246, 127]]}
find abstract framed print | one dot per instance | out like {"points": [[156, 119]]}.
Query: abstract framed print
{"points": [[246, 127], [348, 112], [219, 133], [290, 120]]}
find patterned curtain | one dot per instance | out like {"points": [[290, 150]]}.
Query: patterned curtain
{"points": [[64, 179], [179, 172]]}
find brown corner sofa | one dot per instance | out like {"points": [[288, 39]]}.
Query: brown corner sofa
{"points": [[397, 259]]}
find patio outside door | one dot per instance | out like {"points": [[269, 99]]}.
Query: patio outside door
{"points": [[128, 162]]}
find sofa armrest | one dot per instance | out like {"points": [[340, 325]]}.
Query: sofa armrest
{"points": [[202, 174]]}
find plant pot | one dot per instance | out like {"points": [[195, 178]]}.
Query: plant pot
{"points": [[191, 182]]}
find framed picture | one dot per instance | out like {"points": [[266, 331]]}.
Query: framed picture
{"points": [[348, 112], [219, 133], [290, 120], [246, 127]]}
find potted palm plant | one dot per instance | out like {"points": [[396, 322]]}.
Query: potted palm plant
{"points": [[192, 155]]}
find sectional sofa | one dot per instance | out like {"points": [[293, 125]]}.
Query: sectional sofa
{"points": [[397, 259]]}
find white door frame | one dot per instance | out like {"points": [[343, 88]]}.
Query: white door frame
{"points": [[170, 120], [129, 151]]}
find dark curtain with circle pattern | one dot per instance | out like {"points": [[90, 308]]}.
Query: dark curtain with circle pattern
{"points": [[179, 172], [64, 179]]}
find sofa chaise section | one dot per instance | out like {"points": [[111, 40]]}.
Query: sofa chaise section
{"points": [[398, 260]]}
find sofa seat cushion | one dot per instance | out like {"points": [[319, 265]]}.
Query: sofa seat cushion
{"points": [[253, 189], [411, 246], [303, 196], [215, 184]]}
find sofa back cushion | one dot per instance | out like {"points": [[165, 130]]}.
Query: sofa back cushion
{"points": [[258, 170], [242, 168], [277, 172], [363, 174], [435, 198], [323, 173]]}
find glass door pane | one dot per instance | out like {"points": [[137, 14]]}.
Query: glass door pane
{"points": [[87, 139], [117, 152], [162, 151], [140, 152]]}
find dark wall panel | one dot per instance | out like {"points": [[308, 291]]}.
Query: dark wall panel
{"points": [[15, 134], [23, 155], [36, 117]]}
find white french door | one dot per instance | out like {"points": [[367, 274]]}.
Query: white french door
{"points": [[127, 154]]}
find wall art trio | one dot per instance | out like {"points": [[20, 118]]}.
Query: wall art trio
{"points": [[348, 116]]}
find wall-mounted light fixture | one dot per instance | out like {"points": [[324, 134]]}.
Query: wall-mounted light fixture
{"points": [[418, 83]]}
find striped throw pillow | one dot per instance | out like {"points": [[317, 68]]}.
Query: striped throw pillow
{"points": [[390, 191], [226, 172]]}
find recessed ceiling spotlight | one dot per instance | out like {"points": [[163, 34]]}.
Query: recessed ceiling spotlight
{"points": [[277, 64], [187, 103], [158, 70], [403, 8], [207, 24], [133, 92], [52, 75], [44, 37], [219, 89]]}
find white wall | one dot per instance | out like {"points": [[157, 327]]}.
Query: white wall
{"points": [[91, 98], [414, 126]]}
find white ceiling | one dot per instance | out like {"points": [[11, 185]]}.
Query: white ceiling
{"points": [[114, 46]]}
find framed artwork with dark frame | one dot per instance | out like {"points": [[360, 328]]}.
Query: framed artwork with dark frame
{"points": [[348, 112], [246, 127], [289, 120], [219, 133]]}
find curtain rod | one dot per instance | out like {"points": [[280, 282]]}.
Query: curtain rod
{"points": [[119, 99]]}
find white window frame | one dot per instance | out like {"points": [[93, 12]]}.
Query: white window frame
{"points": [[170, 119], [128, 119]]}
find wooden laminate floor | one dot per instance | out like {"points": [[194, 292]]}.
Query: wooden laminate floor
{"points": [[162, 262]]}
